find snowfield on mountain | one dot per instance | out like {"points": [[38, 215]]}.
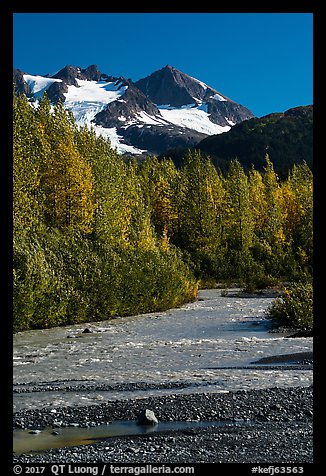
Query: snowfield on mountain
{"points": [[166, 110]]}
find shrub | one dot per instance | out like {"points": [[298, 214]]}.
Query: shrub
{"points": [[65, 278], [295, 307]]}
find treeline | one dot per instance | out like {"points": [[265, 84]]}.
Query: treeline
{"points": [[248, 227], [96, 237]]}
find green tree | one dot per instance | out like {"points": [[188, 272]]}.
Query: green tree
{"points": [[199, 209], [26, 168], [239, 220], [298, 213]]}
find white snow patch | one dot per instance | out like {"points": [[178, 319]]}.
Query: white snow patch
{"points": [[218, 97], [95, 91], [230, 122], [39, 84], [150, 120], [191, 117], [90, 98], [115, 140], [203, 85]]}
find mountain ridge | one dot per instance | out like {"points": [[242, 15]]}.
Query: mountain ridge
{"points": [[287, 137], [166, 109]]}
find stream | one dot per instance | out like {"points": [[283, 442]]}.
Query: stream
{"points": [[211, 345]]}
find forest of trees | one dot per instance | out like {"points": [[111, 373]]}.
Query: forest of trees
{"points": [[96, 236], [287, 137]]}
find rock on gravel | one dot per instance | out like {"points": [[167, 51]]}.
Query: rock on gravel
{"points": [[147, 417]]}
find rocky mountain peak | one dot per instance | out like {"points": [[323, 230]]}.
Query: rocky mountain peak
{"points": [[170, 86], [69, 74], [164, 87]]}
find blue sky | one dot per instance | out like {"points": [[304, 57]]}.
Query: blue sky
{"points": [[260, 60]]}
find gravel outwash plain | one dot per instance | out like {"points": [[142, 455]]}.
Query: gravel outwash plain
{"points": [[273, 425]]}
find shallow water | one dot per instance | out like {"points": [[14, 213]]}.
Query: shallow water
{"points": [[25, 442], [203, 343]]}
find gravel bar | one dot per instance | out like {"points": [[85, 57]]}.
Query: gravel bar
{"points": [[280, 429]]}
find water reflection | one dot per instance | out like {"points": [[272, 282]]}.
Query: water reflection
{"points": [[26, 442]]}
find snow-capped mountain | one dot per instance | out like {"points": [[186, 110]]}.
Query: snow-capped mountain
{"points": [[167, 109]]}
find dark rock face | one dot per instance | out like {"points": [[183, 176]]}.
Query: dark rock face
{"points": [[170, 86], [159, 139], [68, 75], [132, 102], [91, 73], [20, 84], [56, 92], [219, 110]]}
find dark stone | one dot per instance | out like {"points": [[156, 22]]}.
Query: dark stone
{"points": [[219, 110]]}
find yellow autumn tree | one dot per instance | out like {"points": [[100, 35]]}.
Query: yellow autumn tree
{"points": [[140, 231], [67, 181], [157, 180]]}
